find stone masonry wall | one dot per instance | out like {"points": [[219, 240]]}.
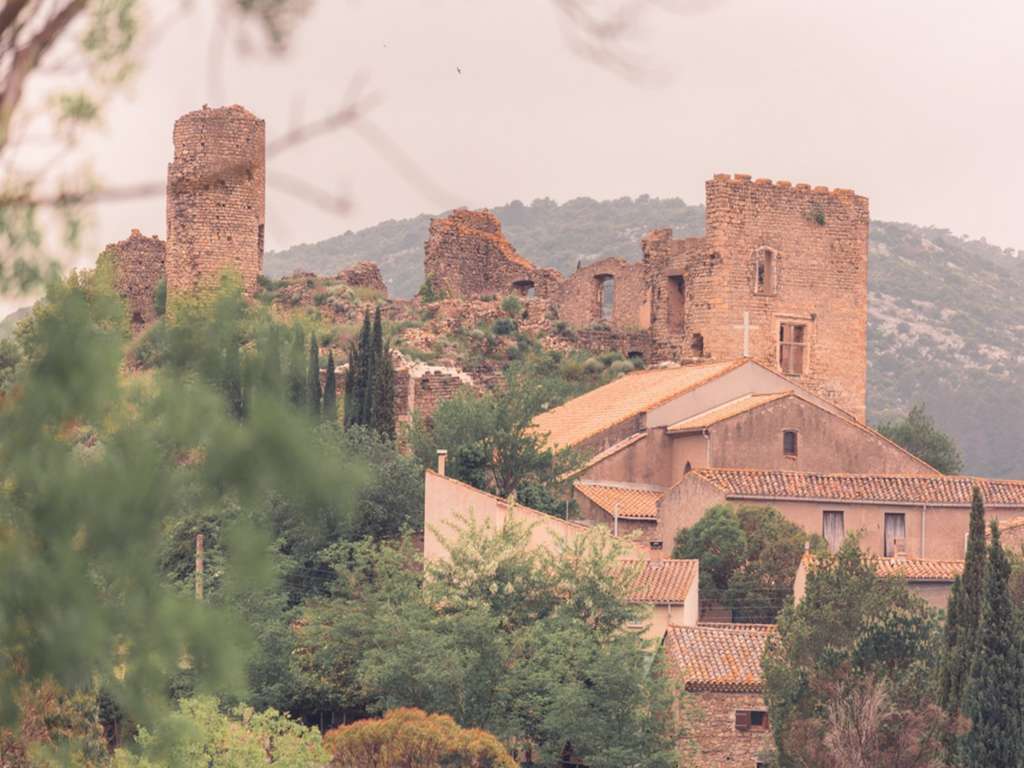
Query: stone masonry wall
{"points": [[580, 295], [138, 267], [466, 255], [711, 724], [364, 274], [215, 199], [820, 241]]}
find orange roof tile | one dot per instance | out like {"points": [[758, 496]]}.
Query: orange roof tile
{"points": [[635, 393], [662, 581], [726, 411], [940, 490], [627, 500], [719, 657], [918, 569]]}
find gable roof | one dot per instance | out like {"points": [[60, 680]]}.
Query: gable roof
{"points": [[940, 490], [726, 411], [635, 393], [631, 501], [719, 657], [661, 582], [611, 450], [918, 569]]}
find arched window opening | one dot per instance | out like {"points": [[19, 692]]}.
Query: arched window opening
{"points": [[697, 345], [524, 288], [605, 296], [765, 271]]}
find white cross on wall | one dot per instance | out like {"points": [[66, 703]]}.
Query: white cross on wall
{"points": [[746, 327]]}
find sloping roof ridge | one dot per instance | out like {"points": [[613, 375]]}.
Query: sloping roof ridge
{"points": [[506, 502], [736, 626], [764, 398], [808, 394], [627, 486], [611, 450]]}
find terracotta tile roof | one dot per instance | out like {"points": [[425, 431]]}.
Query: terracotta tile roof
{"points": [[940, 490], [726, 411], [590, 414], [627, 500], [662, 581], [719, 657], [918, 569]]}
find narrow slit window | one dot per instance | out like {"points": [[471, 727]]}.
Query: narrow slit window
{"points": [[765, 268], [789, 443], [833, 528]]}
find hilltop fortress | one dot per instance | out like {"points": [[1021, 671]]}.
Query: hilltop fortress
{"points": [[780, 276]]}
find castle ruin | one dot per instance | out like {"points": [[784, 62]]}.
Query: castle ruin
{"points": [[779, 276], [215, 199]]}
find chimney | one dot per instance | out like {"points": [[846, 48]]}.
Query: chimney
{"points": [[442, 457]]}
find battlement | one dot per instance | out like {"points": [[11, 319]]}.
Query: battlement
{"points": [[744, 179]]}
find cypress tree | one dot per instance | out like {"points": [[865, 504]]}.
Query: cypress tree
{"points": [[330, 410], [232, 379], [992, 691], [963, 618], [297, 368], [313, 377], [373, 414], [384, 395]]}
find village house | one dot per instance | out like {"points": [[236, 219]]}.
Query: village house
{"points": [[668, 587], [920, 516], [931, 580], [719, 666]]}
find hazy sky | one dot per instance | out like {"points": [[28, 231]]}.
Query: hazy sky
{"points": [[918, 104]]}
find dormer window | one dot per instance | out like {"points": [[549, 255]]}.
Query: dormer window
{"points": [[765, 271]]}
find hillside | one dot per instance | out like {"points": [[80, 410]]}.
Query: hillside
{"points": [[7, 323], [945, 321]]}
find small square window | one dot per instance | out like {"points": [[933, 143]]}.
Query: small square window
{"points": [[789, 442], [751, 720]]}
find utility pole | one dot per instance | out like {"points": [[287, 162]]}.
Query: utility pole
{"points": [[200, 565]]}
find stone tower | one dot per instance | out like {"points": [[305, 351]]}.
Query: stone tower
{"points": [[215, 199]]}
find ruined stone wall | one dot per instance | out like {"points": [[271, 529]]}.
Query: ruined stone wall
{"points": [[421, 388], [466, 255], [580, 295], [364, 274], [215, 199], [819, 241], [137, 265]]}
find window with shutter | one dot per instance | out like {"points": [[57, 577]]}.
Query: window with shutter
{"points": [[742, 720], [895, 533], [792, 348]]}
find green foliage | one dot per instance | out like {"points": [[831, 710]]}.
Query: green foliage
{"points": [[994, 691], [370, 380], [330, 405], [199, 733], [849, 680], [748, 558], [410, 738], [315, 393], [527, 644], [962, 620], [503, 326], [489, 438], [512, 306], [919, 435], [96, 470], [160, 298], [10, 356]]}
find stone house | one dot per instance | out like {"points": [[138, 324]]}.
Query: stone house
{"points": [[646, 430], [668, 587], [780, 276], [932, 580], [719, 666], [917, 516]]}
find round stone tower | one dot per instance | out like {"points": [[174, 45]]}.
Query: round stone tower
{"points": [[215, 199]]}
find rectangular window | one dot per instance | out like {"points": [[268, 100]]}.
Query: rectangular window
{"points": [[792, 348], [789, 443], [751, 720], [895, 534], [833, 529]]}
